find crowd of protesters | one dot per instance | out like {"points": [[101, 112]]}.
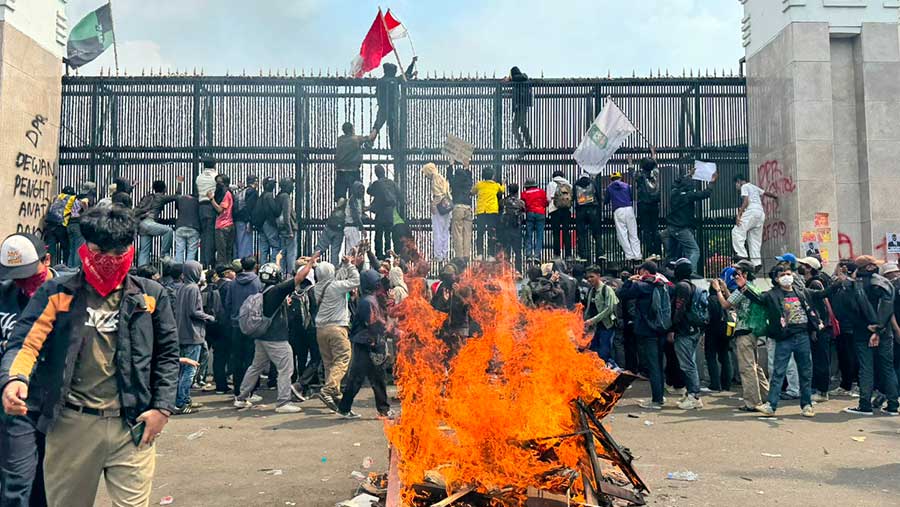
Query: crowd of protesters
{"points": [[102, 348]]}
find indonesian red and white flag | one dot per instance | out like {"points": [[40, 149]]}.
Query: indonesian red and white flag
{"points": [[375, 46], [394, 27]]}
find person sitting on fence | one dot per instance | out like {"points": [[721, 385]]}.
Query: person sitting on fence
{"points": [[147, 213]]}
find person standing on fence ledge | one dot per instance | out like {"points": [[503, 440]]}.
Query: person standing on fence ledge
{"points": [[244, 203], [461, 216], [618, 194], [205, 183], [387, 94], [222, 201], [509, 233], [187, 227], [522, 101], [115, 337], [287, 224], [536, 203], [386, 197], [648, 199], [265, 215], [681, 218], [559, 191], [353, 216], [441, 207], [147, 213], [348, 159], [487, 213], [751, 217], [587, 218]]}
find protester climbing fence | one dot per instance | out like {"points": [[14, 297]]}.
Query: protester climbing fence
{"points": [[148, 128]]}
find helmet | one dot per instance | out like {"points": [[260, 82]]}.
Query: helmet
{"points": [[270, 273]]}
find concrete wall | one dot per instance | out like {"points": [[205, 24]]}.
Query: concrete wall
{"points": [[30, 88], [825, 135]]}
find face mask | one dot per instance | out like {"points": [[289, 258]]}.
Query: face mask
{"points": [[105, 271], [30, 285], [786, 280]]}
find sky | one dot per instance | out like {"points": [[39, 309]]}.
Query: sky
{"points": [[562, 38]]}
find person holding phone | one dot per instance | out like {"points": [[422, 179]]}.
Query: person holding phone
{"points": [[104, 414]]}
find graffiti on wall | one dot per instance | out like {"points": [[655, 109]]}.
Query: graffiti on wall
{"points": [[773, 180], [846, 249], [32, 188]]}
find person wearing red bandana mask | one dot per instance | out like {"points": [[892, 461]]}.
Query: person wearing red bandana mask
{"points": [[114, 335], [24, 267]]}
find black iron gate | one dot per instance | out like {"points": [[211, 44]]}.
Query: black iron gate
{"points": [[148, 128]]}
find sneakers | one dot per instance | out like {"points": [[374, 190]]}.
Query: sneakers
{"points": [[328, 400], [857, 411], [255, 398], [807, 411], [681, 391], [650, 405], [887, 411], [349, 415], [840, 391], [390, 414], [820, 397], [691, 402], [854, 393], [765, 409], [297, 390], [222, 391], [785, 396], [242, 403], [207, 387], [288, 408], [878, 401]]}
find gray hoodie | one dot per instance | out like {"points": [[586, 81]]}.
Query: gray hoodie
{"points": [[189, 315], [331, 291]]}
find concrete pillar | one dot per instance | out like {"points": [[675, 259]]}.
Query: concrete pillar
{"points": [[32, 42], [824, 111]]}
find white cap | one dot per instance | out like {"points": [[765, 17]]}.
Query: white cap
{"points": [[19, 256]]}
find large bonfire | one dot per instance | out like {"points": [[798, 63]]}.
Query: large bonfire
{"points": [[499, 413]]}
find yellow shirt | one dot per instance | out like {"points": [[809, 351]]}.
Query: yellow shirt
{"points": [[486, 201]]}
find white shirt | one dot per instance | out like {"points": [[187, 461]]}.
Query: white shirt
{"points": [[206, 182], [754, 195]]}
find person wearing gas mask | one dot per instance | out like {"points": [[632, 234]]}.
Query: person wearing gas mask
{"points": [[792, 321]]}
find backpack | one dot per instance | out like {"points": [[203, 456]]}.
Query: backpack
{"points": [[585, 195], [659, 318], [60, 209], [301, 309], [698, 313], [562, 198], [212, 303], [253, 322], [240, 202], [512, 213]]}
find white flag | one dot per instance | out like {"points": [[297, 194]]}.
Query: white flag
{"points": [[605, 136]]}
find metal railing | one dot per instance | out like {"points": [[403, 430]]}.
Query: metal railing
{"points": [[149, 128]]}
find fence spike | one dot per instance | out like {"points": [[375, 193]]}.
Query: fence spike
{"points": [[142, 72], [542, 73], [633, 73], [608, 74]]}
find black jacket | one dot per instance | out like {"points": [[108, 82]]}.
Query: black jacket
{"points": [[681, 204], [266, 210], [460, 180], [647, 185], [773, 301], [287, 220], [46, 339]]}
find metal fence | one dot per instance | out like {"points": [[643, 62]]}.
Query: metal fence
{"points": [[149, 128]]}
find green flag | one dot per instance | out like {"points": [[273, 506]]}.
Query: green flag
{"points": [[90, 37]]}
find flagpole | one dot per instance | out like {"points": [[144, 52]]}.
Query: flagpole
{"points": [[115, 37], [402, 69], [609, 98]]}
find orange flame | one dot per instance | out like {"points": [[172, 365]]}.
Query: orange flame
{"points": [[470, 416]]}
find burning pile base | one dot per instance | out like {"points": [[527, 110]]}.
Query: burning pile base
{"points": [[507, 417]]}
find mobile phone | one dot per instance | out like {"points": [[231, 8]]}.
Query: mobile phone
{"points": [[137, 432]]}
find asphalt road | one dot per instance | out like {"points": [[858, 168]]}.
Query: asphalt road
{"points": [[237, 456]]}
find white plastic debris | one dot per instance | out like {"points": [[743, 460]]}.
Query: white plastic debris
{"points": [[769, 455], [368, 462], [357, 444], [166, 500], [197, 434], [648, 423], [362, 500], [358, 475], [687, 475], [276, 471]]}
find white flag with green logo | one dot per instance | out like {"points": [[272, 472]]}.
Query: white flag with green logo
{"points": [[606, 135]]}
